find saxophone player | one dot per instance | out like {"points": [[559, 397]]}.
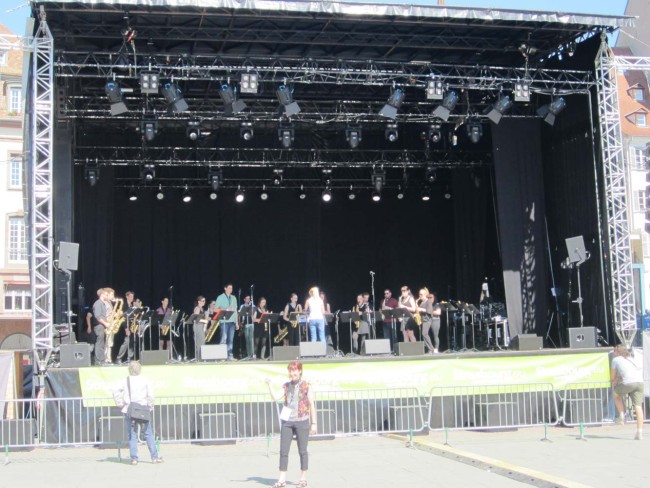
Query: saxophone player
{"points": [[161, 311], [100, 322], [362, 331], [246, 317], [127, 347], [200, 323], [408, 326], [261, 331], [226, 301], [293, 331], [388, 303]]}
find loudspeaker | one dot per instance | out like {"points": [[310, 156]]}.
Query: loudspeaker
{"points": [[75, 355], [526, 342], [375, 346], [151, 358], [214, 352], [409, 348], [582, 337], [111, 431], [313, 349], [286, 353], [67, 255]]}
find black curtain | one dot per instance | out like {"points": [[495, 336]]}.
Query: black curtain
{"points": [[520, 197]]}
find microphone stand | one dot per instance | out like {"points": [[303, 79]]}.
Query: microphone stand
{"points": [[371, 316], [171, 297]]}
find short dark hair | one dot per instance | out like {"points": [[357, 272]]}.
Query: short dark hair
{"points": [[227, 285]]}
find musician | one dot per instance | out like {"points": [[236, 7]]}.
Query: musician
{"points": [[328, 312], [425, 308], [388, 303], [246, 321], [435, 323], [293, 336], [127, 347], [362, 330], [261, 329], [100, 322], [316, 315], [200, 323], [408, 325], [226, 301], [161, 311]]}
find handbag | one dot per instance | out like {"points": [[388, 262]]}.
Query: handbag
{"points": [[135, 411]]}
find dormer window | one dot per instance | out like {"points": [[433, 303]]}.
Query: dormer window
{"points": [[637, 94]]}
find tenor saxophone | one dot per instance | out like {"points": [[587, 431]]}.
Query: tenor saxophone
{"points": [[116, 317], [214, 325], [280, 337], [416, 316], [357, 323], [135, 323]]}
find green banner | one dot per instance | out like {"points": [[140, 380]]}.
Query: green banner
{"points": [[188, 380]]}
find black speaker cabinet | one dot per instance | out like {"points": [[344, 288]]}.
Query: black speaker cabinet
{"points": [[68, 255], [313, 349], [375, 346], [582, 337], [151, 358], [286, 353], [409, 348], [214, 352], [75, 355], [526, 342], [111, 431]]}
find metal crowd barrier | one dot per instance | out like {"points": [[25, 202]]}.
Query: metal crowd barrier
{"points": [[587, 403], [492, 406]]}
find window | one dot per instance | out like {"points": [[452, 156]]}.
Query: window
{"points": [[17, 240], [641, 120], [15, 171], [3, 57], [15, 99], [639, 203], [18, 298], [637, 94], [637, 157], [645, 239]]}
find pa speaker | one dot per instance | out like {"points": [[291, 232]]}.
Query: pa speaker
{"points": [[68, 255], [582, 337], [75, 355], [409, 348], [313, 349], [526, 342], [214, 352], [286, 353], [375, 346], [151, 358]]}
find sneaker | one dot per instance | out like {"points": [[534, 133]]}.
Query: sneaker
{"points": [[638, 436], [158, 460], [134, 462], [619, 420], [435, 351]]}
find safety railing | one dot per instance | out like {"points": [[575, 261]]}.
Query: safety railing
{"points": [[587, 403], [492, 406]]}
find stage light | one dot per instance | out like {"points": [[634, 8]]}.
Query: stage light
{"points": [[448, 104], [430, 174], [522, 91], [474, 131], [213, 195], [148, 172], [159, 194], [285, 96], [285, 135], [378, 179], [326, 195], [353, 136], [434, 90], [187, 196], [447, 194], [264, 195], [174, 97], [394, 103], [352, 195], [149, 82], [149, 127], [231, 104], [277, 179], [550, 111], [246, 130], [214, 178], [426, 194], [248, 83], [193, 130], [435, 133], [133, 196], [91, 173], [500, 107], [114, 94], [239, 195], [391, 132], [302, 194], [376, 196], [400, 193]]}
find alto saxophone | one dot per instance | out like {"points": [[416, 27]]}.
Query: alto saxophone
{"points": [[280, 337], [116, 317], [135, 323], [357, 323], [214, 325], [416, 316]]}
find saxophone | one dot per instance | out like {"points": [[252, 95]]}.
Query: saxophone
{"points": [[416, 316], [357, 323], [280, 337], [214, 325], [116, 317], [135, 323]]}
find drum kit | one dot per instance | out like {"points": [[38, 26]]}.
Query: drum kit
{"points": [[475, 328]]}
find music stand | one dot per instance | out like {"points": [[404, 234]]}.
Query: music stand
{"points": [[394, 314], [351, 316], [190, 321], [269, 318], [472, 310], [448, 307], [145, 318], [373, 316], [296, 316], [170, 318], [328, 318], [245, 315]]}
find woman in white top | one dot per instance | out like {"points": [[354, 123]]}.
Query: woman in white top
{"points": [[316, 316], [627, 379]]}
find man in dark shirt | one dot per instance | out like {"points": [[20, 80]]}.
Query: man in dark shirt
{"points": [[100, 324], [388, 303]]}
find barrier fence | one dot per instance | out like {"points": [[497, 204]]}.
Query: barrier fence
{"points": [[228, 418]]}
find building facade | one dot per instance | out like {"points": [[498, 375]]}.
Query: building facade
{"points": [[15, 307]]}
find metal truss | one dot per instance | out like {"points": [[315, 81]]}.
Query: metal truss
{"points": [[40, 158], [620, 252]]}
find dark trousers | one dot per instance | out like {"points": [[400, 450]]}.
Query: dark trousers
{"points": [[301, 430]]}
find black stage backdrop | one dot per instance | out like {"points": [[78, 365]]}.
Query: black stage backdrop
{"points": [[284, 245]]}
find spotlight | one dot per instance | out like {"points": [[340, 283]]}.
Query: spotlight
{"points": [[474, 131], [277, 179], [352, 195], [376, 196], [248, 83], [391, 133], [286, 135], [264, 195], [353, 136], [400, 193], [434, 90], [149, 82], [430, 175], [187, 196], [285, 96], [239, 195], [448, 103], [326, 195], [91, 174], [394, 103], [550, 111], [215, 178], [133, 196], [159, 194], [447, 194], [149, 127], [522, 91], [378, 180], [301, 194], [435, 133], [148, 172], [426, 194], [193, 131], [174, 97], [231, 104], [246, 130], [213, 195], [500, 107], [114, 94]]}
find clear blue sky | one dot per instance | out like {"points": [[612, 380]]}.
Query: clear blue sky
{"points": [[15, 19]]}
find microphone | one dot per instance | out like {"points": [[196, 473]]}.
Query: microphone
{"points": [[372, 273], [171, 287], [252, 286]]}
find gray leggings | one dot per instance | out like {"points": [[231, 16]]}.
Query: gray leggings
{"points": [[301, 429]]}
